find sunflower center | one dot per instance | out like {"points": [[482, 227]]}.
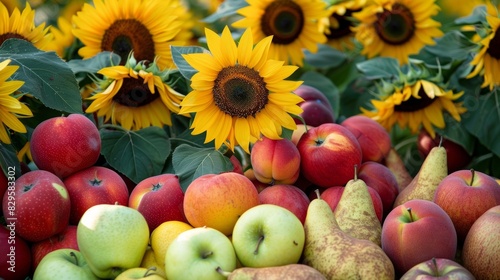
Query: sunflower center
{"points": [[494, 47], [395, 26], [134, 93], [414, 104], [240, 91], [4, 37], [126, 35], [344, 26], [284, 20]]}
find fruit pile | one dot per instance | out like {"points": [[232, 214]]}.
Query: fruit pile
{"points": [[334, 201]]}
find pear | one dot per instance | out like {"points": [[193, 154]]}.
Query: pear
{"points": [[355, 213], [336, 254], [289, 272], [423, 186], [395, 163]]}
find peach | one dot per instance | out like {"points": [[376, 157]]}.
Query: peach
{"points": [[287, 196]]}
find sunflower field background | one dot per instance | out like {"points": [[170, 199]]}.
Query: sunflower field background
{"points": [[178, 86]]}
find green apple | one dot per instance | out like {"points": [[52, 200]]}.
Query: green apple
{"points": [[139, 273], [112, 238], [268, 235], [197, 253], [63, 264]]}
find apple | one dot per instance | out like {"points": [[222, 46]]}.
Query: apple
{"points": [[373, 138], [275, 161], [328, 152], [64, 264], [416, 231], [438, 268], [465, 195], [287, 196], [268, 235], [237, 166], [316, 107], [15, 255], [65, 239], [218, 200], [140, 273], [94, 185], [457, 156], [159, 199], [149, 261], [39, 205], [112, 238], [64, 145], [482, 244], [197, 253], [332, 196]]}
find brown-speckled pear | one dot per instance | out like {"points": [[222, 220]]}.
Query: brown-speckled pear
{"points": [[355, 213], [395, 163], [424, 184], [289, 272], [338, 255]]}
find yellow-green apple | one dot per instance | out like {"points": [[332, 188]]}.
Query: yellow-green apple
{"points": [[15, 255], [218, 200], [64, 145], [112, 238], [159, 199], [465, 195], [316, 107], [298, 132], [65, 239], [438, 268], [416, 231], [94, 185], [287, 196], [140, 273], [332, 196], [373, 138], [457, 156], [39, 204], [275, 161], [328, 153], [149, 261], [197, 253], [268, 235], [482, 244], [64, 264], [380, 178]]}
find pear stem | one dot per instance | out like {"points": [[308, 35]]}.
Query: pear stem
{"points": [[318, 194], [150, 271], [261, 238], [409, 211], [72, 254], [222, 272], [355, 172], [440, 140], [472, 178]]}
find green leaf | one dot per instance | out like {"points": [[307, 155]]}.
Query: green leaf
{"points": [[478, 15], [324, 85], [456, 132], [379, 68], [8, 160], [452, 45], [94, 64], [182, 65], [191, 162], [226, 9], [325, 57], [137, 154], [46, 76]]}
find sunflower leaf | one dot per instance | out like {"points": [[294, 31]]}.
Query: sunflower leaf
{"points": [[452, 45], [92, 65], [325, 57], [8, 160], [183, 66], [191, 162], [46, 76], [225, 9], [137, 154], [379, 68]]}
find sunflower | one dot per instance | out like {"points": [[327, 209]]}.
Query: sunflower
{"points": [[10, 107], [148, 28], [134, 96], [397, 28], [414, 105], [292, 23], [62, 37], [238, 93], [21, 26], [451, 8]]}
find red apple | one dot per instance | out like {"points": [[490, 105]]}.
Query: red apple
{"points": [[94, 185], [457, 157], [64, 145], [328, 152], [65, 239], [15, 255], [332, 196], [286, 196], [465, 195], [482, 246], [438, 268], [159, 199], [38, 205], [316, 108], [237, 167], [374, 140], [416, 231]]}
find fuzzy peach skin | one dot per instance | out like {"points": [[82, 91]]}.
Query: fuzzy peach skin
{"points": [[275, 161], [218, 200], [427, 233]]}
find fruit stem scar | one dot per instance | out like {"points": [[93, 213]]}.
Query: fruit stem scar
{"points": [[27, 188], [72, 254], [207, 254], [261, 238]]}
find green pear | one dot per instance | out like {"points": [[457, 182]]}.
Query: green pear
{"points": [[112, 238], [355, 213], [395, 163], [338, 255], [290, 272], [423, 186]]}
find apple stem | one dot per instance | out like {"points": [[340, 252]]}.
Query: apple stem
{"points": [[207, 254], [440, 140], [409, 211], [261, 238], [472, 177], [435, 266], [150, 271], [222, 272], [72, 254]]}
